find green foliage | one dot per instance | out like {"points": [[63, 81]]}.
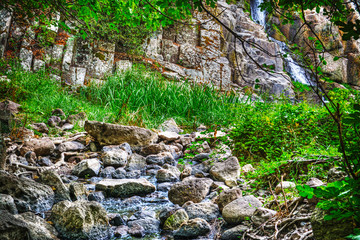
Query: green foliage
{"points": [[137, 97], [274, 131]]}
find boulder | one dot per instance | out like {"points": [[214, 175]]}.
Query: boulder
{"points": [[261, 215], [169, 136], [28, 195], [205, 210], [175, 220], [80, 220], [227, 196], [42, 147], [136, 162], [240, 209], [150, 225], [190, 189], [168, 174], [193, 228], [228, 170], [160, 159], [87, 168], [77, 191], [115, 158], [155, 149], [53, 179], [11, 228], [38, 228], [125, 187], [113, 134], [170, 126], [330, 229], [234, 233], [7, 204], [284, 185], [72, 146]]}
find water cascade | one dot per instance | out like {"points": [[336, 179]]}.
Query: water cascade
{"points": [[296, 72]]}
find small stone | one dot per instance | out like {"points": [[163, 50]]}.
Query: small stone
{"points": [[54, 121], [115, 158], [77, 191], [160, 159], [72, 146], [205, 210], [169, 136], [175, 220], [125, 187], [261, 215], [96, 196], [314, 183], [247, 168], [234, 233], [87, 168], [193, 228], [170, 126], [284, 185], [40, 127], [67, 127], [58, 112]]}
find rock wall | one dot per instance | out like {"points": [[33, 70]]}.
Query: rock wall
{"points": [[202, 51]]}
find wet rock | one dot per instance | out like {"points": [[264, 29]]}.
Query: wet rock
{"points": [[28, 195], [53, 179], [228, 170], [40, 127], [81, 220], [125, 187], [42, 147], [38, 228], [240, 209], [160, 159], [174, 221], [115, 219], [169, 136], [121, 231], [107, 172], [137, 231], [193, 228], [77, 191], [330, 229], [164, 187], [136, 162], [112, 134], [261, 215], [206, 210], [115, 158], [72, 146], [284, 185], [7, 204], [12, 228], [227, 196], [154, 149], [87, 168], [54, 121], [168, 174], [190, 189], [96, 196], [150, 225], [170, 126], [234, 233]]}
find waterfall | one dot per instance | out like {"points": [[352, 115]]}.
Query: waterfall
{"points": [[296, 72]]}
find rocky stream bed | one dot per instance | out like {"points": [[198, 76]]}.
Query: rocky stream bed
{"points": [[124, 182]]}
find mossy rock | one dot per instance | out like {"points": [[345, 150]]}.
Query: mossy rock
{"points": [[174, 221]]}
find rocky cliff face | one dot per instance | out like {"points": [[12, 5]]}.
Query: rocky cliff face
{"points": [[202, 51]]}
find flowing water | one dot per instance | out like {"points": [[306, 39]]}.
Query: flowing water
{"points": [[296, 72]]}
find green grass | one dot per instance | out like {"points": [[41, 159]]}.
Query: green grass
{"points": [[137, 97]]}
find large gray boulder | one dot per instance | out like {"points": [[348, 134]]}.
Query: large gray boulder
{"points": [[205, 210], [227, 171], [116, 158], [38, 228], [87, 168], [113, 134], [190, 189], [240, 209], [330, 229], [42, 147], [25, 226], [28, 195], [193, 228], [125, 187], [81, 220], [53, 179]]}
